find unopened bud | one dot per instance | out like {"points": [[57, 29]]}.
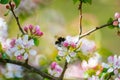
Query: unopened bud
{"points": [[7, 7], [13, 5]]}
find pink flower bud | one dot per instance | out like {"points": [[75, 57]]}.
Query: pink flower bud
{"points": [[26, 29], [19, 57], [115, 23], [37, 29], [117, 15], [39, 33], [12, 43], [73, 45], [65, 44], [53, 65], [31, 28]]}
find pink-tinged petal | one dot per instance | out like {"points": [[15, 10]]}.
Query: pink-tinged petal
{"points": [[26, 29], [12, 43], [53, 65], [72, 54], [37, 29], [61, 53], [111, 59], [58, 69], [19, 57], [115, 23], [116, 71], [117, 15]]}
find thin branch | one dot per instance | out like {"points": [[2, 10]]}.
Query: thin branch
{"points": [[65, 67], [80, 9], [16, 18], [30, 68], [96, 28]]}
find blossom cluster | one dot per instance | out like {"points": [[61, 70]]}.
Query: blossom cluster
{"points": [[68, 47], [117, 22], [113, 65], [111, 68], [12, 71], [55, 69], [33, 31], [21, 48]]}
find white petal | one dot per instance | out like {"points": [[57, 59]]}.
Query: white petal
{"points": [[17, 53], [118, 19], [9, 75], [68, 58], [18, 74], [31, 42], [105, 65], [61, 53], [32, 52], [25, 56], [110, 70], [25, 38], [119, 25], [72, 54]]}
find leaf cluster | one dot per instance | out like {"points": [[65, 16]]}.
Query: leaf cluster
{"points": [[84, 1]]}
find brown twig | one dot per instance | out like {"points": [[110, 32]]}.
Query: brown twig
{"points": [[80, 9], [16, 18], [96, 28], [31, 68], [64, 69]]}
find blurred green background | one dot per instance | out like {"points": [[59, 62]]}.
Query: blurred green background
{"points": [[61, 18]]}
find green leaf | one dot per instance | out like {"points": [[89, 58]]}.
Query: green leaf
{"points": [[46, 79], [82, 57], [87, 1], [4, 1], [110, 21], [36, 41], [75, 1], [4, 56], [7, 13], [17, 2], [58, 58]]}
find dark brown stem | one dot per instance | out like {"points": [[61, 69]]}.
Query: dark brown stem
{"points": [[30, 68], [96, 28], [16, 18], [80, 9], [65, 67], [109, 76]]}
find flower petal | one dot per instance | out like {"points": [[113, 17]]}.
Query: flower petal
{"points": [[32, 52]]}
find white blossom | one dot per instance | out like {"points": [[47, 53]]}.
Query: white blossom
{"points": [[94, 78], [23, 46], [12, 71], [87, 46], [113, 64], [55, 69]]}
